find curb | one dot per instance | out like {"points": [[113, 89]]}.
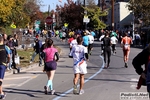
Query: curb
{"points": [[14, 71]]}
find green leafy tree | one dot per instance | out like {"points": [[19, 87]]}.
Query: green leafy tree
{"points": [[94, 13], [141, 9]]}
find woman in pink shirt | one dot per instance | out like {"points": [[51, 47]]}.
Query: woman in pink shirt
{"points": [[50, 53]]}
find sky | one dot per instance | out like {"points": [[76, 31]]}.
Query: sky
{"points": [[52, 4]]}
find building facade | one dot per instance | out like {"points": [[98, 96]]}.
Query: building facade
{"points": [[122, 16]]}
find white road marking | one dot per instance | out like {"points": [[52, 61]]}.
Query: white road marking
{"points": [[134, 79], [15, 78], [27, 80], [65, 93], [133, 84], [9, 85]]}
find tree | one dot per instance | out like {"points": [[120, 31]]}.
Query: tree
{"points": [[94, 13], [5, 6], [72, 13], [141, 9]]}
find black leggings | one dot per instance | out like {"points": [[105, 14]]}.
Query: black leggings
{"points": [[113, 47], [107, 51]]}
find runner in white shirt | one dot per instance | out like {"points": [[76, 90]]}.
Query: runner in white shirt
{"points": [[79, 55], [101, 42], [114, 41], [91, 41], [73, 42]]}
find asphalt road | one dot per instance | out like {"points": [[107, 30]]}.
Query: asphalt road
{"points": [[100, 84]]}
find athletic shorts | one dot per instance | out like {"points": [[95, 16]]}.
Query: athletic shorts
{"points": [[81, 69], [49, 66], [2, 71], [63, 38]]}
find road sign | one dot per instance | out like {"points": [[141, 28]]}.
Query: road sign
{"points": [[13, 26], [86, 19], [49, 20]]}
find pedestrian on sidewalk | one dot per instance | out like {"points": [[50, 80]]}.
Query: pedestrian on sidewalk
{"points": [[50, 53], [125, 44], [4, 59], [107, 49], [80, 56], [11, 45]]}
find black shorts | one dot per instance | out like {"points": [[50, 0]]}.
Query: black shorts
{"points": [[63, 38], [49, 66]]}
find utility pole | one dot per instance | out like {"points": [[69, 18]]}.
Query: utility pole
{"points": [[102, 5], [112, 14], [99, 3], [84, 3]]}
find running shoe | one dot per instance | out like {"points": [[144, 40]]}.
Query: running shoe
{"points": [[81, 92], [126, 65], [52, 92], [46, 89], [75, 89], [30, 62], [2, 96]]}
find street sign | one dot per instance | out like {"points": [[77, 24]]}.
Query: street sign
{"points": [[49, 20], [86, 19]]}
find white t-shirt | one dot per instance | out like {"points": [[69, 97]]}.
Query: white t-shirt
{"points": [[64, 34], [91, 39], [100, 39], [78, 52], [73, 42], [114, 40]]}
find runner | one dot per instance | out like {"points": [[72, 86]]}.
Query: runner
{"points": [[79, 53], [5, 53], [91, 41], [101, 42], [125, 44], [73, 42], [114, 41], [107, 50], [50, 64], [86, 38]]}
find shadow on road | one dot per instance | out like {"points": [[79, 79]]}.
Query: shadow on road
{"points": [[29, 93]]}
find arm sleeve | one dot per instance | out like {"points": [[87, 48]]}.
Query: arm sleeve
{"points": [[86, 56], [71, 53], [57, 56]]}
